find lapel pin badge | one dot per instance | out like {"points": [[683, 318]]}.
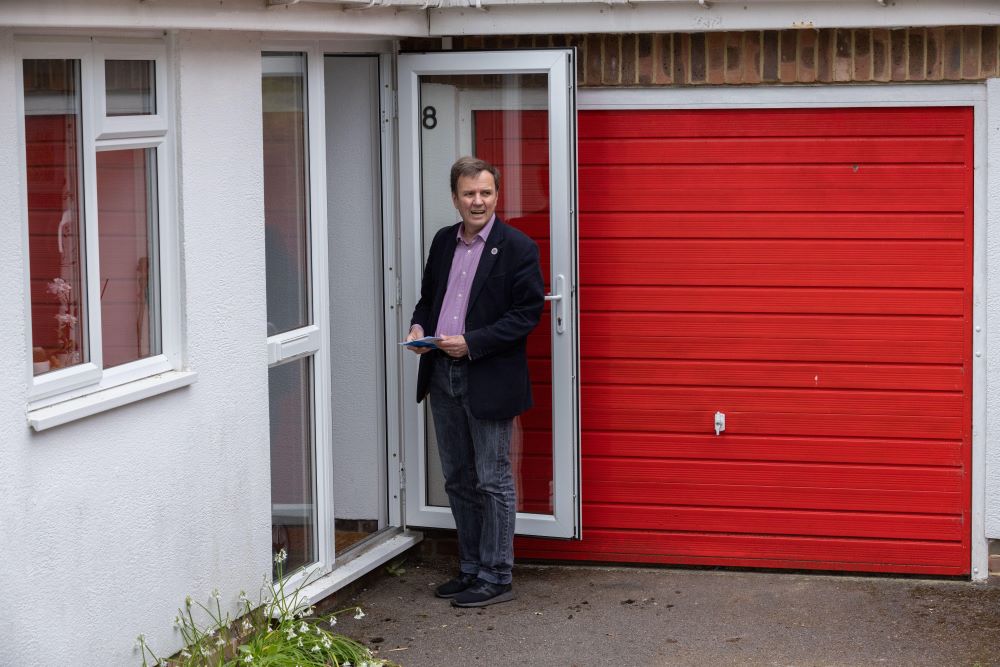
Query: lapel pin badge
{"points": [[493, 252]]}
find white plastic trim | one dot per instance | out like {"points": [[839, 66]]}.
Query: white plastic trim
{"points": [[393, 545], [108, 399]]}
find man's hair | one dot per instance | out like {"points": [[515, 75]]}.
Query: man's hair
{"points": [[471, 167]]}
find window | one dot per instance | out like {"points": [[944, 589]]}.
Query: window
{"points": [[101, 284]]}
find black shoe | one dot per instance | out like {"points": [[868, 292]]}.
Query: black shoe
{"points": [[482, 594], [453, 587]]}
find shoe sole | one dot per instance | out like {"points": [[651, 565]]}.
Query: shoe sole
{"points": [[448, 596], [496, 599]]}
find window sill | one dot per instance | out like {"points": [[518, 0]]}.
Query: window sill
{"points": [[73, 409]]}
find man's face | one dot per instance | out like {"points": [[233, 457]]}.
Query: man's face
{"points": [[475, 199]]}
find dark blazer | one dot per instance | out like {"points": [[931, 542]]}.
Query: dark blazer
{"points": [[505, 304]]}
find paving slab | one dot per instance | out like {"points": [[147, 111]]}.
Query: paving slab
{"points": [[578, 616]]}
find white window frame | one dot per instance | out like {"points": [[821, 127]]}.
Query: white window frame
{"points": [[66, 394]]}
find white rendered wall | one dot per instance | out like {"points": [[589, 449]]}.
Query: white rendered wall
{"points": [[992, 519], [108, 522]]}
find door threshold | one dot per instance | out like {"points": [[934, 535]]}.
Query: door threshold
{"points": [[391, 545]]}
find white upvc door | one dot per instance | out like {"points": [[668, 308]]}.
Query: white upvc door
{"points": [[516, 110]]}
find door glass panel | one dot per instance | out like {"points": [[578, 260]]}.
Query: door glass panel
{"points": [[52, 130], [295, 520], [354, 215], [127, 232], [293, 508], [286, 193], [501, 118]]}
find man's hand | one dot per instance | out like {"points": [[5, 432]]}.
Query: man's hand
{"points": [[416, 331], [453, 346]]}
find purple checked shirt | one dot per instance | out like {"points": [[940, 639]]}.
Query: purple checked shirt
{"points": [[451, 321]]}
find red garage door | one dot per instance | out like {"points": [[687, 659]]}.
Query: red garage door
{"points": [[808, 273]]}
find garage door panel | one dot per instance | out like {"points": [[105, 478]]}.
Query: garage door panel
{"points": [[815, 551], [762, 474], [861, 327], [790, 496], [777, 401], [777, 252], [770, 224], [717, 271], [738, 150], [598, 298], [705, 373], [772, 197], [678, 518], [764, 349], [772, 423], [789, 449], [777, 123], [737, 178]]}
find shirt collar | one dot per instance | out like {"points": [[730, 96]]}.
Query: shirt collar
{"points": [[484, 233]]}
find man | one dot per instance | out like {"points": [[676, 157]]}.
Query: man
{"points": [[482, 294]]}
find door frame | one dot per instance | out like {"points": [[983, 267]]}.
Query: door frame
{"points": [[560, 65], [331, 572], [932, 95]]}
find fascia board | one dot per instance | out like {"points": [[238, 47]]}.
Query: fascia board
{"points": [[506, 17], [243, 15]]}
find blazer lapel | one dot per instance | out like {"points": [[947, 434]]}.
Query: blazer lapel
{"points": [[494, 246]]}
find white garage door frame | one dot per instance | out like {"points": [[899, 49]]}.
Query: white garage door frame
{"points": [[914, 95]]}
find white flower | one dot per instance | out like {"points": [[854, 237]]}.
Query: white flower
{"points": [[327, 643], [248, 659], [185, 655], [216, 594], [59, 288], [315, 649], [281, 557], [333, 621], [220, 642], [303, 627], [291, 634], [247, 625], [358, 615], [300, 644]]}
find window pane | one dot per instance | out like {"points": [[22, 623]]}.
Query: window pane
{"points": [[286, 214], [293, 512], [52, 123], [127, 229], [130, 87]]}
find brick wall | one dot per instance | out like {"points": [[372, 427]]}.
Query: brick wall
{"points": [[769, 56]]}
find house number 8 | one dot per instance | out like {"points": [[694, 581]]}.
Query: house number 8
{"points": [[430, 120]]}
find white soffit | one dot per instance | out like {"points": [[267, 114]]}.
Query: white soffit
{"points": [[344, 20], [625, 16]]}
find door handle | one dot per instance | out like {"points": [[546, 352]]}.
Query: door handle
{"points": [[557, 307]]}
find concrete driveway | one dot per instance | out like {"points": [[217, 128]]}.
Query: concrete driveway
{"points": [[623, 616]]}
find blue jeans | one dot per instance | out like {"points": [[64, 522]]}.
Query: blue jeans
{"points": [[479, 479]]}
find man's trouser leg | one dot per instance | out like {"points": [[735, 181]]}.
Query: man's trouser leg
{"points": [[475, 459]]}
